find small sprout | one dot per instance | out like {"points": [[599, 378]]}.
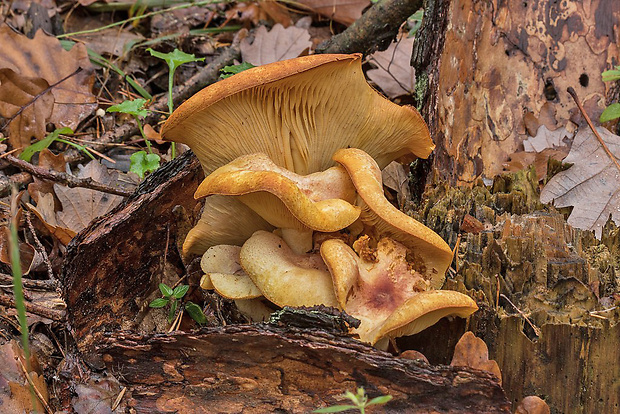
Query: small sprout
{"points": [[174, 59], [30, 150], [228, 71], [612, 111], [195, 312], [359, 400], [141, 162], [611, 75], [172, 297]]}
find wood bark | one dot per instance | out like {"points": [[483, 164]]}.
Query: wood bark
{"points": [[263, 368], [497, 61]]}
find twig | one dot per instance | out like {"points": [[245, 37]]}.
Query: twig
{"points": [[534, 327], [53, 314], [37, 96], [19, 179], [29, 283], [573, 94], [64, 178], [34, 387], [374, 30]]}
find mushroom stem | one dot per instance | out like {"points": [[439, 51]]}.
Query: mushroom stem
{"points": [[300, 241]]}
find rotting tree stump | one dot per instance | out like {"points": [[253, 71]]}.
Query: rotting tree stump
{"points": [[563, 280], [112, 270]]}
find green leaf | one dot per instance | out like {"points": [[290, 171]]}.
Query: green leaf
{"points": [[175, 58], [611, 75], [30, 150], [134, 107], [165, 290], [380, 400], [610, 113], [195, 312], [180, 291], [141, 163], [173, 310], [158, 303], [335, 409], [228, 71]]}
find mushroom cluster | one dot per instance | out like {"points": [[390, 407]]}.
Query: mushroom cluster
{"points": [[295, 210]]}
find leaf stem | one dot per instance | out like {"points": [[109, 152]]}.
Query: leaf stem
{"points": [[18, 289], [573, 94]]}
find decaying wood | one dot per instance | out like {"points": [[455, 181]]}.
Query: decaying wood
{"points": [[564, 280], [375, 30], [116, 263], [497, 61], [265, 368]]}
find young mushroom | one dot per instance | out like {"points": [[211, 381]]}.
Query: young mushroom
{"points": [[298, 205]]}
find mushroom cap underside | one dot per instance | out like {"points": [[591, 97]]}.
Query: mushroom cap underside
{"points": [[298, 112]]}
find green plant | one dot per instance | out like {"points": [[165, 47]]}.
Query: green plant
{"points": [[30, 150], [612, 111], [174, 59], [228, 71], [141, 162], [172, 297], [18, 289], [359, 400]]}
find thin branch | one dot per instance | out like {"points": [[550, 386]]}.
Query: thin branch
{"points": [[375, 30], [53, 314], [37, 96], [64, 178], [573, 94]]}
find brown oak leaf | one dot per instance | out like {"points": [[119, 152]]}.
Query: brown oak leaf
{"points": [[26, 116], [278, 44], [342, 11], [472, 352], [44, 57], [591, 185], [394, 74]]}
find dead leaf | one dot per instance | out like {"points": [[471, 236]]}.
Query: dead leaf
{"points": [[17, 93], [546, 138], [342, 11], [250, 14], [47, 160], [394, 74], [44, 57], [26, 251], [80, 206], [396, 177], [472, 352], [15, 394], [532, 405], [46, 212], [523, 160], [110, 42], [276, 45], [591, 185]]}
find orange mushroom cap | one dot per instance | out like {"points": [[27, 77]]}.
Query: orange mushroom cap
{"points": [[298, 112]]}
